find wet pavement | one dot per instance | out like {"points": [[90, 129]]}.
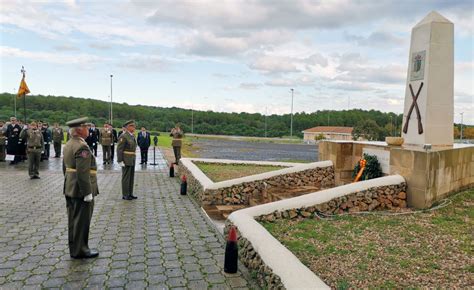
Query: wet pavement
{"points": [[162, 240], [258, 151]]}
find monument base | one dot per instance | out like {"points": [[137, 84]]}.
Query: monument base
{"points": [[431, 175]]}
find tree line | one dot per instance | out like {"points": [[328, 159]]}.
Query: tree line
{"points": [[61, 109]]}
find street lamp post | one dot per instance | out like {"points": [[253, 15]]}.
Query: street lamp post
{"points": [[111, 98], [291, 120], [391, 126], [192, 119], [462, 115]]}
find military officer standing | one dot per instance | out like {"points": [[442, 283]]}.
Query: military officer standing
{"points": [[106, 140], [126, 147], [3, 141], [58, 136], [80, 189], [177, 142], [34, 141]]}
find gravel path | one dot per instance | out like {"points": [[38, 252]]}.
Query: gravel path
{"points": [[242, 150]]}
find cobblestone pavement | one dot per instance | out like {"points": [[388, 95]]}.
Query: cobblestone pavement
{"points": [[162, 240]]}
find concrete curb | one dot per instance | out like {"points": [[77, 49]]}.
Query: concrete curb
{"points": [[293, 274]]}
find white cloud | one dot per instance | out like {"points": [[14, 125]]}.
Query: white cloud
{"points": [[84, 60], [376, 38], [250, 86], [66, 47]]}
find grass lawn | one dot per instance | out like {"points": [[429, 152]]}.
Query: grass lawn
{"points": [[220, 172], [429, 249]]}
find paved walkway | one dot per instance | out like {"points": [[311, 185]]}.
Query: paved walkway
{"points": [[162, 240]]}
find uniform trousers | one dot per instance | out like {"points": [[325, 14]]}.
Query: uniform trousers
{"points": [[128, 176], [106, 153], [177, 153], [34, 157], [79, 213], [57, 149]]}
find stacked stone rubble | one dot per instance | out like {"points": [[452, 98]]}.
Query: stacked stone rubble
{"points": [[240, 194]]}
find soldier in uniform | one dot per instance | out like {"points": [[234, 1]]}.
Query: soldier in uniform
{"points": [[126, 148], [106, 140], [47, 141], [3, 141], [177, 135], [80, 189], [58, 137], [34, 141], [13, 137]]}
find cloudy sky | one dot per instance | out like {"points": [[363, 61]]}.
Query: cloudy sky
{"points": [[228, 55]]}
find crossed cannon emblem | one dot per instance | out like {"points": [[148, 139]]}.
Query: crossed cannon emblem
{"points": [[414, 105]]}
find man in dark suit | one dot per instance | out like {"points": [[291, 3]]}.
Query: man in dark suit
{"points": [[144, 141], [13, 137], [115, 137], [93, 138], [47, 137]]}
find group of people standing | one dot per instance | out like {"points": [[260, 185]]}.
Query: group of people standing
{"points": [[80, 177], [13, 140], [79, 164]]}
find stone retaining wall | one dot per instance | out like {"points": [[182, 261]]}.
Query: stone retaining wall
{"points": [[241, 192], [390, 197], [257, 247]]}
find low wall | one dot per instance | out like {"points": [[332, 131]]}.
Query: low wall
{"points": [[239, 191], [275, 266]]}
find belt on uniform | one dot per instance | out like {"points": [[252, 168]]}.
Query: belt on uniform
{"points": [[34, 147], [129, 152], [92, 171]]}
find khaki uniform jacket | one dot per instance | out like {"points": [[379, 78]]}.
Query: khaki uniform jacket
{"points": [[126, 147], [58, 135], [34, 140], [80, 169], [3, 136], [106, 137], [177, 136]]}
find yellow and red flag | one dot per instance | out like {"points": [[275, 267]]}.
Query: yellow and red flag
{"points": [[23, 90]]}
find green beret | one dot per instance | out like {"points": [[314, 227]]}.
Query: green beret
{"points": [[77, 122], [129, 122]]}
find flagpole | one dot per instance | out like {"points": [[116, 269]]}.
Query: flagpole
{"points": [[24, 93], [14, 99], [24, 106]]}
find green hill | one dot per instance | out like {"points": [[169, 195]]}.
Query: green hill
{"points": [[60, 109]]}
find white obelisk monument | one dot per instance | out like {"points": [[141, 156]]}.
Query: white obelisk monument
{"points": [[428, 117]]}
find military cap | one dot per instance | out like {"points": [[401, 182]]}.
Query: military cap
{"points": [[77, 122], [129, 122]]}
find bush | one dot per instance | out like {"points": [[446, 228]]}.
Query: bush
{"points": [[320, 137], [372, 168]]}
